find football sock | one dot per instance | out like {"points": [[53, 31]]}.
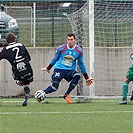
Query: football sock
{"points": [[125, 90], [73, 83], [49, 90], [26, 90]]}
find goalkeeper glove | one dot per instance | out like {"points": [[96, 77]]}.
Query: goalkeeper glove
{"points": [[45, 69], [89, 81]]}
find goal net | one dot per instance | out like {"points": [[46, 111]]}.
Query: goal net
{"points": [[113, 38]]}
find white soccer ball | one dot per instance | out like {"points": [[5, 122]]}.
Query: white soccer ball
{"points": [[40, 95]]}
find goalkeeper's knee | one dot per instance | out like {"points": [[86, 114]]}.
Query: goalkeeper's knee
{"points": [[76, 78], [55, 85]]}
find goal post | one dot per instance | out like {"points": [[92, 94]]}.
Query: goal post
{"points": [[91, 45]]}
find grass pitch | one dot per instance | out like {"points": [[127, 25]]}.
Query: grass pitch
{"points": [[54, 115]]}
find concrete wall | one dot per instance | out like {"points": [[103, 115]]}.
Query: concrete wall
{"points": [[111, 65]]}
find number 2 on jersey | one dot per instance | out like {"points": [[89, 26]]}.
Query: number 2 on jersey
{"points": [[17, 53]]}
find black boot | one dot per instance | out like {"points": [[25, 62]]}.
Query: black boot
{"points": [[25, 103]]}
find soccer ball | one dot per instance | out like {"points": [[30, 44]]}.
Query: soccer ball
{"points": [[40, 95]]}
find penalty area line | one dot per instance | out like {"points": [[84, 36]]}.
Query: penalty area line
{"points": [[89, 112]]}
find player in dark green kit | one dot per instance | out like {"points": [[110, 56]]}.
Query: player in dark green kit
{"points": [[127, 80]]}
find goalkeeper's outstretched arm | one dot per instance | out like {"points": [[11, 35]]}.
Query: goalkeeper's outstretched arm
{"points": [[89, 80]]}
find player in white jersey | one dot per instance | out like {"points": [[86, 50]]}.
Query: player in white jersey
{"points": [[64, 64], [19, 58]]}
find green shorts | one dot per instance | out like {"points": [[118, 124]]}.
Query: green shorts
{"points": [[129, 74]]}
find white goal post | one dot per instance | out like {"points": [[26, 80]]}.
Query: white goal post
{"points": [[91, 45]]}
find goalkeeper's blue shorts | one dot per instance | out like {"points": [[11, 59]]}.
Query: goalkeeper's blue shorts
{"points": [[129, 74], [59, 74]]}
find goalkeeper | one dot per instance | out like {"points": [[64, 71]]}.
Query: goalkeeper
{"points": [[64, 64], [127, 80]]}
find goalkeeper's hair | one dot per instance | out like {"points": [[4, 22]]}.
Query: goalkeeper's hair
{"points": [[71, 34]]}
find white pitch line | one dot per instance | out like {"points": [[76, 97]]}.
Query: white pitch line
{"points": [[89, 112], [30, 101], [47, 100], [15, 101]]}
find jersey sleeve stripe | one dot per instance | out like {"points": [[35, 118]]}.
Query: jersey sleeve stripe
{"points": [[63, 48], [78, 50]]}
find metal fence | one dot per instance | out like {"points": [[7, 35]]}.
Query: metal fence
{"points": [[42, 23]]}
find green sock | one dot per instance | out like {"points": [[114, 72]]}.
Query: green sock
{"points": [[125, 91]]}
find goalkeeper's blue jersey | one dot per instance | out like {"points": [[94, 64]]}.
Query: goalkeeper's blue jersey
{"points": [[66, 58]]}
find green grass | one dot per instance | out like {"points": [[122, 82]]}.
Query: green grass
{"points": [[54, 115]]}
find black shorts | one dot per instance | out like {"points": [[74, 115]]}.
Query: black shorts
{"points": [[25, 79]]}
